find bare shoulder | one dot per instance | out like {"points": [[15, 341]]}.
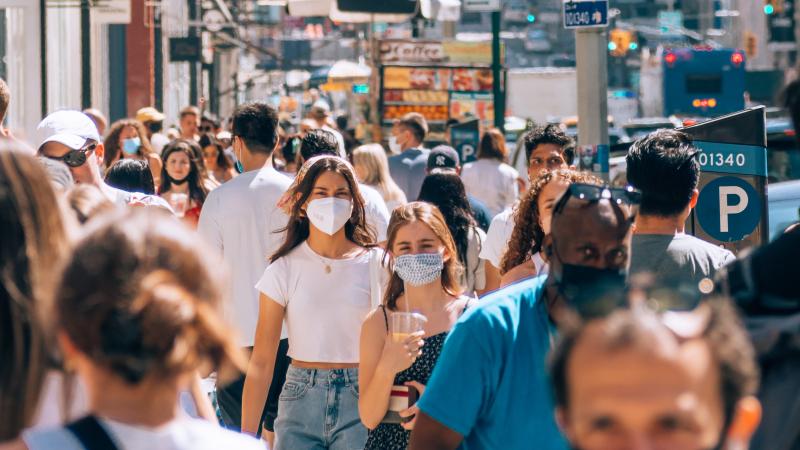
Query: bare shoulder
{"points": [[374, 323]]}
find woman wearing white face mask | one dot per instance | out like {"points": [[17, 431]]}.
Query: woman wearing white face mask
{"points": [[322, 282], [425, 280]]}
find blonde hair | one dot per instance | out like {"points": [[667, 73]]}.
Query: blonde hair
{"points": [[373, 158]]}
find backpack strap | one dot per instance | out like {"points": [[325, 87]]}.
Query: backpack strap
{"points": [[91, 434]]}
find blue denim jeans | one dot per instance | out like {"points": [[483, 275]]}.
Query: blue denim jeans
{"points": [[318, 409]]}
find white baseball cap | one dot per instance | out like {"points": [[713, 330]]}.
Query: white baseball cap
{"points": [[71, 128]]}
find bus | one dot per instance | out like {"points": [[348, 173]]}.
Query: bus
{"points": [[703, 82]]}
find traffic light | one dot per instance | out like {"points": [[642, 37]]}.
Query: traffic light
{"points": [[750, 44], [620, 41], [773, 7], [531, 17]]}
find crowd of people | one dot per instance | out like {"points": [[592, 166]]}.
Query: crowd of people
{"points": [[246, 286]]}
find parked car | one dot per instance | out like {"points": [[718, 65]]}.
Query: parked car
{"points": [[784, 206]]}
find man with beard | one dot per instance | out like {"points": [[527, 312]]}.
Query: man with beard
{"points": [[489, 389]]}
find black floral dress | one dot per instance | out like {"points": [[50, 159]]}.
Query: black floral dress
{"points": [[391, 436]]}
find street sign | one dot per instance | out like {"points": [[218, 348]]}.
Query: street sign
{"points": [[670, 22], [732, 207], [214, 20], [465, 138], [111, 12], [481, 5], [186, 49], [729, 209], [585, 13]]}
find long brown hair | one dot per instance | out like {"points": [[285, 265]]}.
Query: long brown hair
{"points": [[526, 239], [493, 146], [139, 298], [197, 189], [297, 230], [112, 145], [34, 244], [430, 216]]}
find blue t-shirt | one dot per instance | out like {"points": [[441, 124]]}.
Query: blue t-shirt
{"points": [[408, 170], [490, 383]]}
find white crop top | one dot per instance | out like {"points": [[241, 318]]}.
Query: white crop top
{"points": [[324, 310]]}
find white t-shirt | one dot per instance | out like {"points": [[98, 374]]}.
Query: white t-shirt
{"points": [[181, 434], [494, 247], [159, 141], [238, 220], [376, 211], [493, 182], [474, 276], [324, 310]]}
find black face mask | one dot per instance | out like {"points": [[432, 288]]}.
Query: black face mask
{"points": [[590, 291], [177, 182]]}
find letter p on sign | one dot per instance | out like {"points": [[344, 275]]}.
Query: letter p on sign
{"points": [[727, 209]]}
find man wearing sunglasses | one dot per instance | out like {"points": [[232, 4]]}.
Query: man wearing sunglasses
{"points": [[664, 167], [489, 389], [631, 381], [71, 138]]}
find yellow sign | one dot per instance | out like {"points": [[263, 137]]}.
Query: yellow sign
{"points": [[468, 52]]}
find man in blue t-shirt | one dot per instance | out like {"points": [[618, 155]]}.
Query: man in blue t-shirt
{"points": [[490, 389]]}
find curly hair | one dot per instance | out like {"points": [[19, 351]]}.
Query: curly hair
{"points": [[112, 143], [547, 134], [526, 239]]}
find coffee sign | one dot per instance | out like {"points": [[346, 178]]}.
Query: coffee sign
{"points": [[412, 52]]}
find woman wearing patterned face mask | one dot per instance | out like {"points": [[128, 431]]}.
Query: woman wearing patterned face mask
{"points": [[127, 138], [322, 282], [425, 280]]}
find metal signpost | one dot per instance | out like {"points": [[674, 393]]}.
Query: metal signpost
{"points": [[732, 208], [589, 18]]}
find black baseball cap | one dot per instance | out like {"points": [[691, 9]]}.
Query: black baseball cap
{"points": [[443, 157]]}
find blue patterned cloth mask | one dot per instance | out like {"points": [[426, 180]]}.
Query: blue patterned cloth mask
{"points": [[420, 268]]}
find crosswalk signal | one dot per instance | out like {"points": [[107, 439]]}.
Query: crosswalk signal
{"points": [[620, 41], [773, 7]]}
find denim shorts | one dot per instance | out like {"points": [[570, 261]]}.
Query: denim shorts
{"points": [[318, 409]]}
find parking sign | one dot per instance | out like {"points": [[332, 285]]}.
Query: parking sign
{"points": [[465, 137], [732, 207], [585, 13]]}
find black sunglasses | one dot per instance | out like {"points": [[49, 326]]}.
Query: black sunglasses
{"points": [[592, 193], [76, 158], [677, 305]]}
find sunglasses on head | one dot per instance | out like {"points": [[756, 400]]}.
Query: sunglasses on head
{"points": [[627, 196], [76, 158]]}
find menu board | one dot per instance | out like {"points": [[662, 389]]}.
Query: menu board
{"points": [[416, 78], [472, 80], [465, 105]]}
